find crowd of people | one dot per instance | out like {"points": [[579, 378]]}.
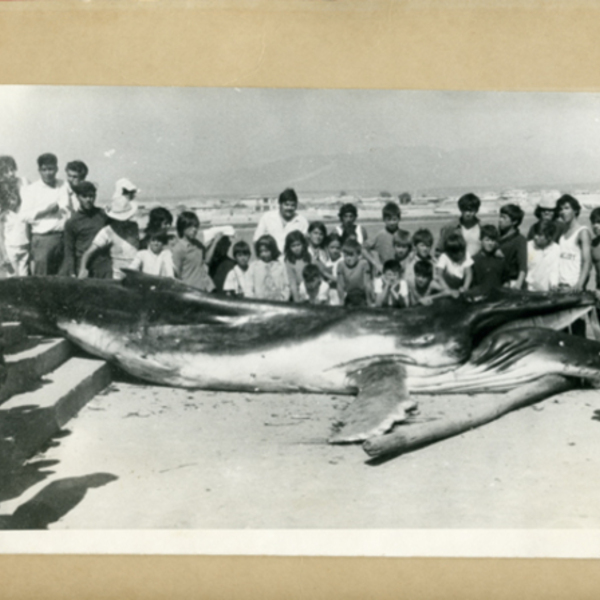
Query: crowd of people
{"points": [[53, 227]]}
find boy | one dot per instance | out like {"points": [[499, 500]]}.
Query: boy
{"points": [[353, 274], [76, 172], [80, 231], [513, 245], [489, 266], [422, 243], [381, 247], [467, 225], [313, 289], [348, 227], [156, 259], [402, 247], [543, 256], [391, 290], [424, 289], [237, 282]]}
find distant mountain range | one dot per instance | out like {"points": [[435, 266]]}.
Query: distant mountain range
{"points": [[394, 169]]}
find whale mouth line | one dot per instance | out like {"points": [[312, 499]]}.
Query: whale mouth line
{"points": [[362, 362]]}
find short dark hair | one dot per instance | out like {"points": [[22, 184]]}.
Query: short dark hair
{"points": [[392, 265], [267, 241], [568, 199], [401, 238], [79, 167], [240, 247], [158, 235], [514, 212], [347, 208], [320, 226], [85, 188], [423, 268], [489, 231], [351, 245], [455, 246], [546, 228], [157, 217], [356, 297], [186, 219], [7, 163], [47, 159], [423, 236], [469, 202], [334, 236], [595, 215], [311, 272], [391, 209], [288, 195]]}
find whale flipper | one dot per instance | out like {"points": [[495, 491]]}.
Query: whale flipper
{"points": [[382, 401]]}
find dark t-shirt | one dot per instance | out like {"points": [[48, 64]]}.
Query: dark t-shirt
{"points": [[489, 271], [514, 248]]}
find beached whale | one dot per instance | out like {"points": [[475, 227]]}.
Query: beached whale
{"points": [[164, 332]]}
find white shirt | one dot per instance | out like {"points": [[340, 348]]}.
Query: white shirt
{"points": [[153, 264], [237, 281], [542, 267], [444, 263], [271, 223], [39, 196], [322, 296], [15, 229]]}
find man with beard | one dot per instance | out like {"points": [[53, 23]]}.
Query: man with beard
{"points": [[513, 245], [467, 225]]}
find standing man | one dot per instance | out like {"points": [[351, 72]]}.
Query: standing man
{"points": [[80, 231], [467, 225], [76, 172], [46, 208], [513, 245], [278, 223]]}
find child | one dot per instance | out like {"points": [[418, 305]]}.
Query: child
{"points": [[453, 267], [297, 256], [424, 288], [317, 234], [391, 291], [422, 244], [333, 246], [221, 264], [402, 247], [489, 267], [156, 259], [189, 254], [159, 218], [512, 244], [353, 273], [543, 256], [313, 289], [381, 247], [546, 211], [121, 235], [268, 275], [348, 227], [595, 220], [237, 282]]}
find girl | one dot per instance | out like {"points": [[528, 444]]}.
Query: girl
{"points": [[317, 234], [159, 219], [333, 245], [453, 268], [189, 254], [121, 236], [156, 259], [297, 256], [267, 275]]}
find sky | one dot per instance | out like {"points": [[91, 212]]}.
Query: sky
{"points": [[203, 141]]}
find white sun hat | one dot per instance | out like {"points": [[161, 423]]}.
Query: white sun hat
{"points": [[122, 208]]}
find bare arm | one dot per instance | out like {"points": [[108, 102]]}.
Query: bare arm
{"points": [[83, 271], [468, 279], [585, 243]]}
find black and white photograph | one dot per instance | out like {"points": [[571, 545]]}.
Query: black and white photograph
{"points": [[252, 310]]}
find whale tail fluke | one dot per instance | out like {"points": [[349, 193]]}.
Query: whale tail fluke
{"points": [[382, 402]]}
